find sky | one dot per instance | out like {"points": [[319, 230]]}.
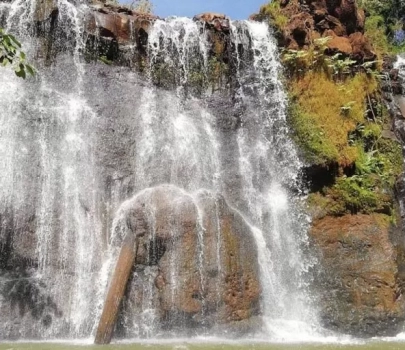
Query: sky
{"points": [[236, 9]]}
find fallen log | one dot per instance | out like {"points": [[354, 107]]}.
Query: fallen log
{"points": [[116, 291]]}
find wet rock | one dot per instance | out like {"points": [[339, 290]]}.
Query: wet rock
{"points": [[45, 9], [215, 278], [310, 19], [216, 21], [120, 24], [359, 281]]}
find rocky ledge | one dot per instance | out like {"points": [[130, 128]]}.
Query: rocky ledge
{"points": [[303, 21], [117, 33]]}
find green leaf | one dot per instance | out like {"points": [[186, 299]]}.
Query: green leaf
{"points": [[20, 71], [10, 53], [30, 69], [16, 42]]}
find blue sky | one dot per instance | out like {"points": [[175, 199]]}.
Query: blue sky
{"points": [[236, 9]]}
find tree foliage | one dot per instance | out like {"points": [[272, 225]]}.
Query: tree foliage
{"points": [[11, 54], [385, 24]]}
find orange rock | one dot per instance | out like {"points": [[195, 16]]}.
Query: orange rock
{"points": [[359, 285], [362, 49], [209, 16], [339, 44], [218, 21], [166, 221]]}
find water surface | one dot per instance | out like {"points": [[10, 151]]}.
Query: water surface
{"points": [[370, 345]]}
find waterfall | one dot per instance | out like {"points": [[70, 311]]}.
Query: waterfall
{"points": [[82, 142]]}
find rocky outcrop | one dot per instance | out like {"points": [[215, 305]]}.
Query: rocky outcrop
{"points": [[216, 21], [308, 20], [215, 277], [361, 281], [119, 23], [117, 35]]}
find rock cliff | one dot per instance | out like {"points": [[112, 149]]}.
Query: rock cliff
{"points": [[339, 118], [356, 227]]}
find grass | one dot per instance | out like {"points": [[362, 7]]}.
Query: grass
{"points": [[277, 18], [326, 112], [375, 32]]}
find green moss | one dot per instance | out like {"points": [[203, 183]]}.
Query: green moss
{"points": [[372, 131], [369, 189], [317, 147], [325, 114], [391, 155], [375, 31], [277, 18], [359, 194]]}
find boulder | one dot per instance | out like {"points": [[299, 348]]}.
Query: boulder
{"points": [[361, 48], [120, 24], [360, 279], [216, 21], [215, 278], [338, 43], [298, 30]]}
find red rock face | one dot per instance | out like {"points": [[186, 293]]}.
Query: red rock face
{"points": [[360, 282], [217, 285], [117, 23], [361, 47], [217, 21], [339, 19]]}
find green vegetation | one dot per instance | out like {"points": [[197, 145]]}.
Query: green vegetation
{"points": [[370, 187], [375, 33], [273, 10], [336, 124], [325, 112], [338, 118], [384, 25], [11, 55]]}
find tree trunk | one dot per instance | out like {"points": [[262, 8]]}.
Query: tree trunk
{"points": [[116, 290]]}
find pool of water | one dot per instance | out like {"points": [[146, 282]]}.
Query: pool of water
{"points": [[361, 345]]}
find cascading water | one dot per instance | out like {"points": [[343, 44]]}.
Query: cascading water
{"points": [[50, 134], [83, 142]]}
